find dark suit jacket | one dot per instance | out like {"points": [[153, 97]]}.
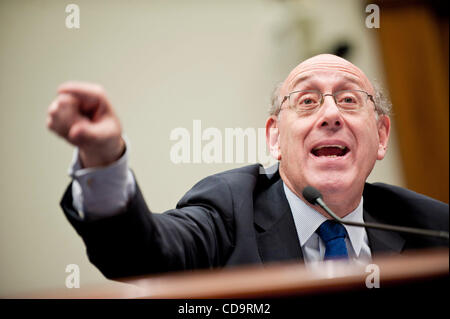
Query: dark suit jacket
{"points": [[233, 218]]}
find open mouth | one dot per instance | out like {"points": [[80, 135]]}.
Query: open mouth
{"points": [[330, 151]]}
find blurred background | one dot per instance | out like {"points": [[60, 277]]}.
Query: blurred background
{"points": [[165, 64]]}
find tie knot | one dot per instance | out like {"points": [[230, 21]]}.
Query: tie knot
{"points": [[330, 230]]}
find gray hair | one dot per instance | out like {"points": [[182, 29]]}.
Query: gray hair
{"points": [[383, 105]]}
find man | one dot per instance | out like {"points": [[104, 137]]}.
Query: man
{"points": [[327, 128]]}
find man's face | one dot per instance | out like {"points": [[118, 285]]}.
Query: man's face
{"points": [[306, 143]]}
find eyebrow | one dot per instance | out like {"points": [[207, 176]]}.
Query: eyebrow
{"points": [[307, 77]]}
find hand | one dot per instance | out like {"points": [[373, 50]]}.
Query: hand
{"points": [[83, 116]]}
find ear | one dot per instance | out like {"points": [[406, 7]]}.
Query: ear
{"points": [[273, 137], [384, 128]]}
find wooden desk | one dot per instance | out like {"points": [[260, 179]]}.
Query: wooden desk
{"points": [[276, 280]]}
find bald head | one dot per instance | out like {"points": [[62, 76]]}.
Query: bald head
{"points": [[326, 62]]}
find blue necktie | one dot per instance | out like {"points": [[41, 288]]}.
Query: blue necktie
{"points": [[333, 235]]}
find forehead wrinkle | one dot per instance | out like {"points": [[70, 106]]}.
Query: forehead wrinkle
{"points": [[295, 81], [310, 78], [327, 63]]}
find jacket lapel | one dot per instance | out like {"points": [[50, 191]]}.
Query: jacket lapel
{"points": [[276, 235], [381, 241]]}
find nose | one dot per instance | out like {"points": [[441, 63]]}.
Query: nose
{"points": [[331, 117]]}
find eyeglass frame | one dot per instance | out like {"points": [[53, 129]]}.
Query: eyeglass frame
{"points": [[322, 97]]}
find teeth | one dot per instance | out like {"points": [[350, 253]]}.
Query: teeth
{"points": [[338, 146]]}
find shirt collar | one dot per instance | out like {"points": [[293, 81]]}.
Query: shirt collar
{"points": [[307, 220]]}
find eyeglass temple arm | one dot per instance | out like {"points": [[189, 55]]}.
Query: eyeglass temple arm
{"points": [[281, 104]]}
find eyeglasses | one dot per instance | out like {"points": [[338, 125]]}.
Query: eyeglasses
{"points": [[308, 101]]}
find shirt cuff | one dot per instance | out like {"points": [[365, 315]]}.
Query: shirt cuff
{"points": [[99, 192]]}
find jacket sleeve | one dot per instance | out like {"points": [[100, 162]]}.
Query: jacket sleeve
{"points": [[198, 233]]}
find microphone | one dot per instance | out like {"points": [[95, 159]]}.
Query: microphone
{"points": [[313, 196]]}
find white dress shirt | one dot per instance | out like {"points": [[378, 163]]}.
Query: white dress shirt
{"points": [[101, 191]]}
